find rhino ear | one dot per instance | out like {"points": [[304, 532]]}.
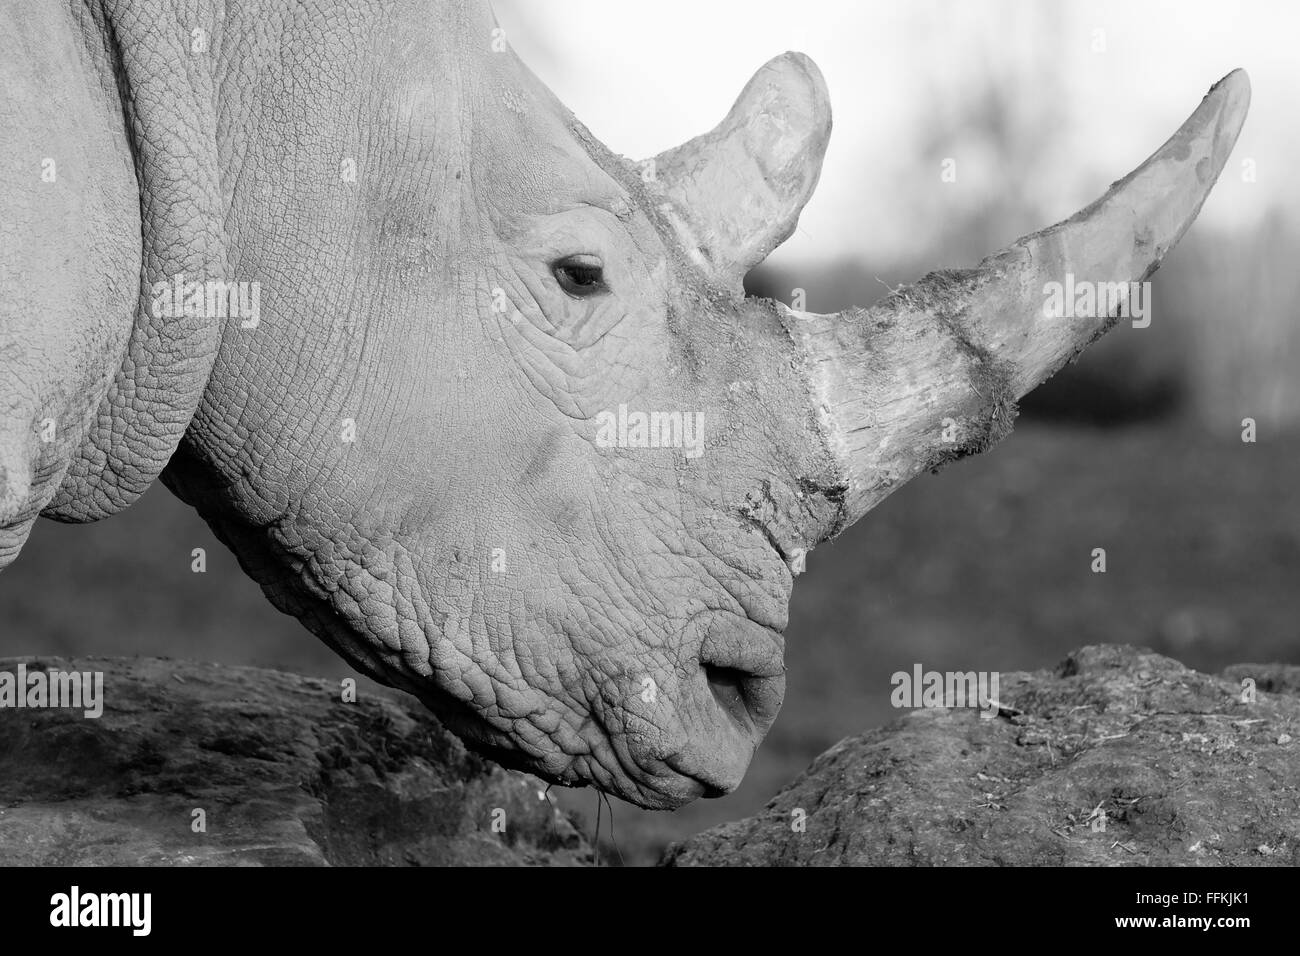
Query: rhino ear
{"points": [[735, 193]]}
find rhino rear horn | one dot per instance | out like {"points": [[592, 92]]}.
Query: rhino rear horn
{"points": [[734, 194], [933, 371]]}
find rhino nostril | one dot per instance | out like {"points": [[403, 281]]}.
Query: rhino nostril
{"points": [[742, 664], [728, 685]]}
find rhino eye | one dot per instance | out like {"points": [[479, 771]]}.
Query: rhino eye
{"points": [[580, 276]]}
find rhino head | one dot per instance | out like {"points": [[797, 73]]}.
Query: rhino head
{"points": [[508, 433]]}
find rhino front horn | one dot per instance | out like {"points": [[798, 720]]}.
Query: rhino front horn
{"points": [[735, 193], [933, 371]]}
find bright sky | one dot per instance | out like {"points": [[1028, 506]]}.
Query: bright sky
{"points": [[646, 76]]}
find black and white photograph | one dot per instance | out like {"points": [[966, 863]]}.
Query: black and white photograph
{"points": [[451, 433]]}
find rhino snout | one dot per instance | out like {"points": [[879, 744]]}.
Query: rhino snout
{"points": [[741, 680]]}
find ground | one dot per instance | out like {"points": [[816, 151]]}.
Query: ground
{"points": [[1114, 757]]}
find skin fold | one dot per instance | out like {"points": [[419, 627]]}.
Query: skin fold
{"points": [[458, 286]]}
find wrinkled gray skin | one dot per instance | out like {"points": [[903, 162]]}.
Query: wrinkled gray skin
{"points": [[609, 616]]}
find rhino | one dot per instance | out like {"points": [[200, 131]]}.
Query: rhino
{"points": [[481, 403]]}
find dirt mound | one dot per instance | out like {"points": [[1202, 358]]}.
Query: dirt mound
{"points": [[202, 764], [1187, 769]]}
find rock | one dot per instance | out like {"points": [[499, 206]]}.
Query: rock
{"points": [[1270, 678], [1185, 771], [283, 770]]}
